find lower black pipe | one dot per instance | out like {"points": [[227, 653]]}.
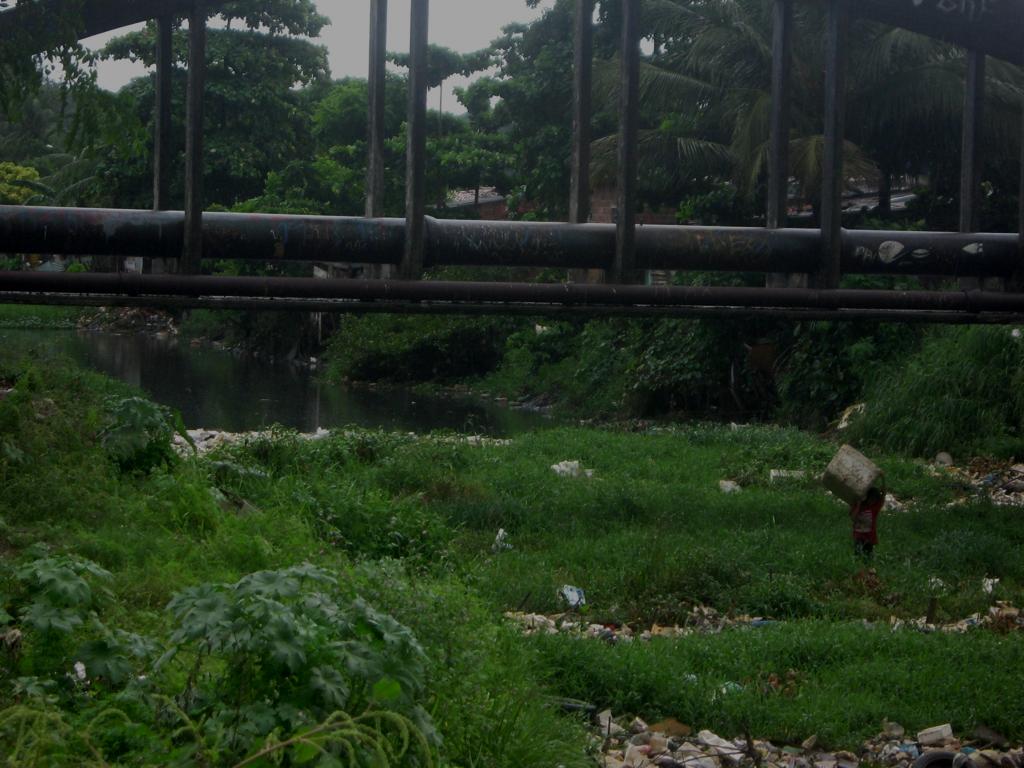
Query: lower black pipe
{"points": [[641, 299]]}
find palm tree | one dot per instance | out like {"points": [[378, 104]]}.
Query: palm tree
{"points": [[712, 64], [66, 179]]}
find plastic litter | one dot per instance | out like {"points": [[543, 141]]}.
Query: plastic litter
{"points": [[573, 596], [571, 469], [781, 475], [935, 736], [501, 542], [730, 688], [910, 749], [892, 504]]}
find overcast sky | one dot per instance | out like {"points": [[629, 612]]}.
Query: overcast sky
{"points": [[464, 25]]}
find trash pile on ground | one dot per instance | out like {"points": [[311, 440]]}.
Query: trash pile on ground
{"points": [[129, 320], [207, 440], [499, 442], [672, 744], [1002, 484], [1001, 617], [700, 620]]}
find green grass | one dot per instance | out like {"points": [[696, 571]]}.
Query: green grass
{"points": [[38, 318], [848, 679], [408, 524], [652, 533]]}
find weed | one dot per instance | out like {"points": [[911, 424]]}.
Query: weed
{"points": [[961, 393]]}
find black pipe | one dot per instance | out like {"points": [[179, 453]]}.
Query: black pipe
{"points": [[267, 237], [336, 306], [566, 294]]}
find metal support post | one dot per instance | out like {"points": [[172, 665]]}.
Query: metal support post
{"points": [[970, 164], [416, 161], [375, 130], [1017, 281], [162, 159], [579, 184], [837, 21], [778, 150], [970, 173], [579, 187], [377, 80], [629, 115], [193, 249]]}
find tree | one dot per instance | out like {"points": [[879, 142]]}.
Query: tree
{"points": [[41, 138], [340, 117], [256, 118], [469, 159], [709, 80], [39, 126], [444, 63], [43, 42], [532, 88]]}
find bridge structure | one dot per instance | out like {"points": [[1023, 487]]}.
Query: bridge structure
{"points": [[802, 267]]}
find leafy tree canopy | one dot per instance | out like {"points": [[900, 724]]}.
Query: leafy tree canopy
{"points": [[15, 183], [256, 118], [443, 63]]}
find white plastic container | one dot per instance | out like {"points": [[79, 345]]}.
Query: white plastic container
{"points": [[850, 475]]}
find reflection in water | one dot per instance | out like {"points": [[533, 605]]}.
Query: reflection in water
{"points": [[219, 390]]}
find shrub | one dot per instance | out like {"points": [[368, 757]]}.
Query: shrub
{"points": [[963, 393], [276, 651], [723, 205], [139, 432], [271, 665], [828, 364], [403, 349], [580, 364], [17, 183], [693, 365], [53, 632]]}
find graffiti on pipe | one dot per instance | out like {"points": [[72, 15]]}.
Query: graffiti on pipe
{"points": [[893, 253], [969, 10]]}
